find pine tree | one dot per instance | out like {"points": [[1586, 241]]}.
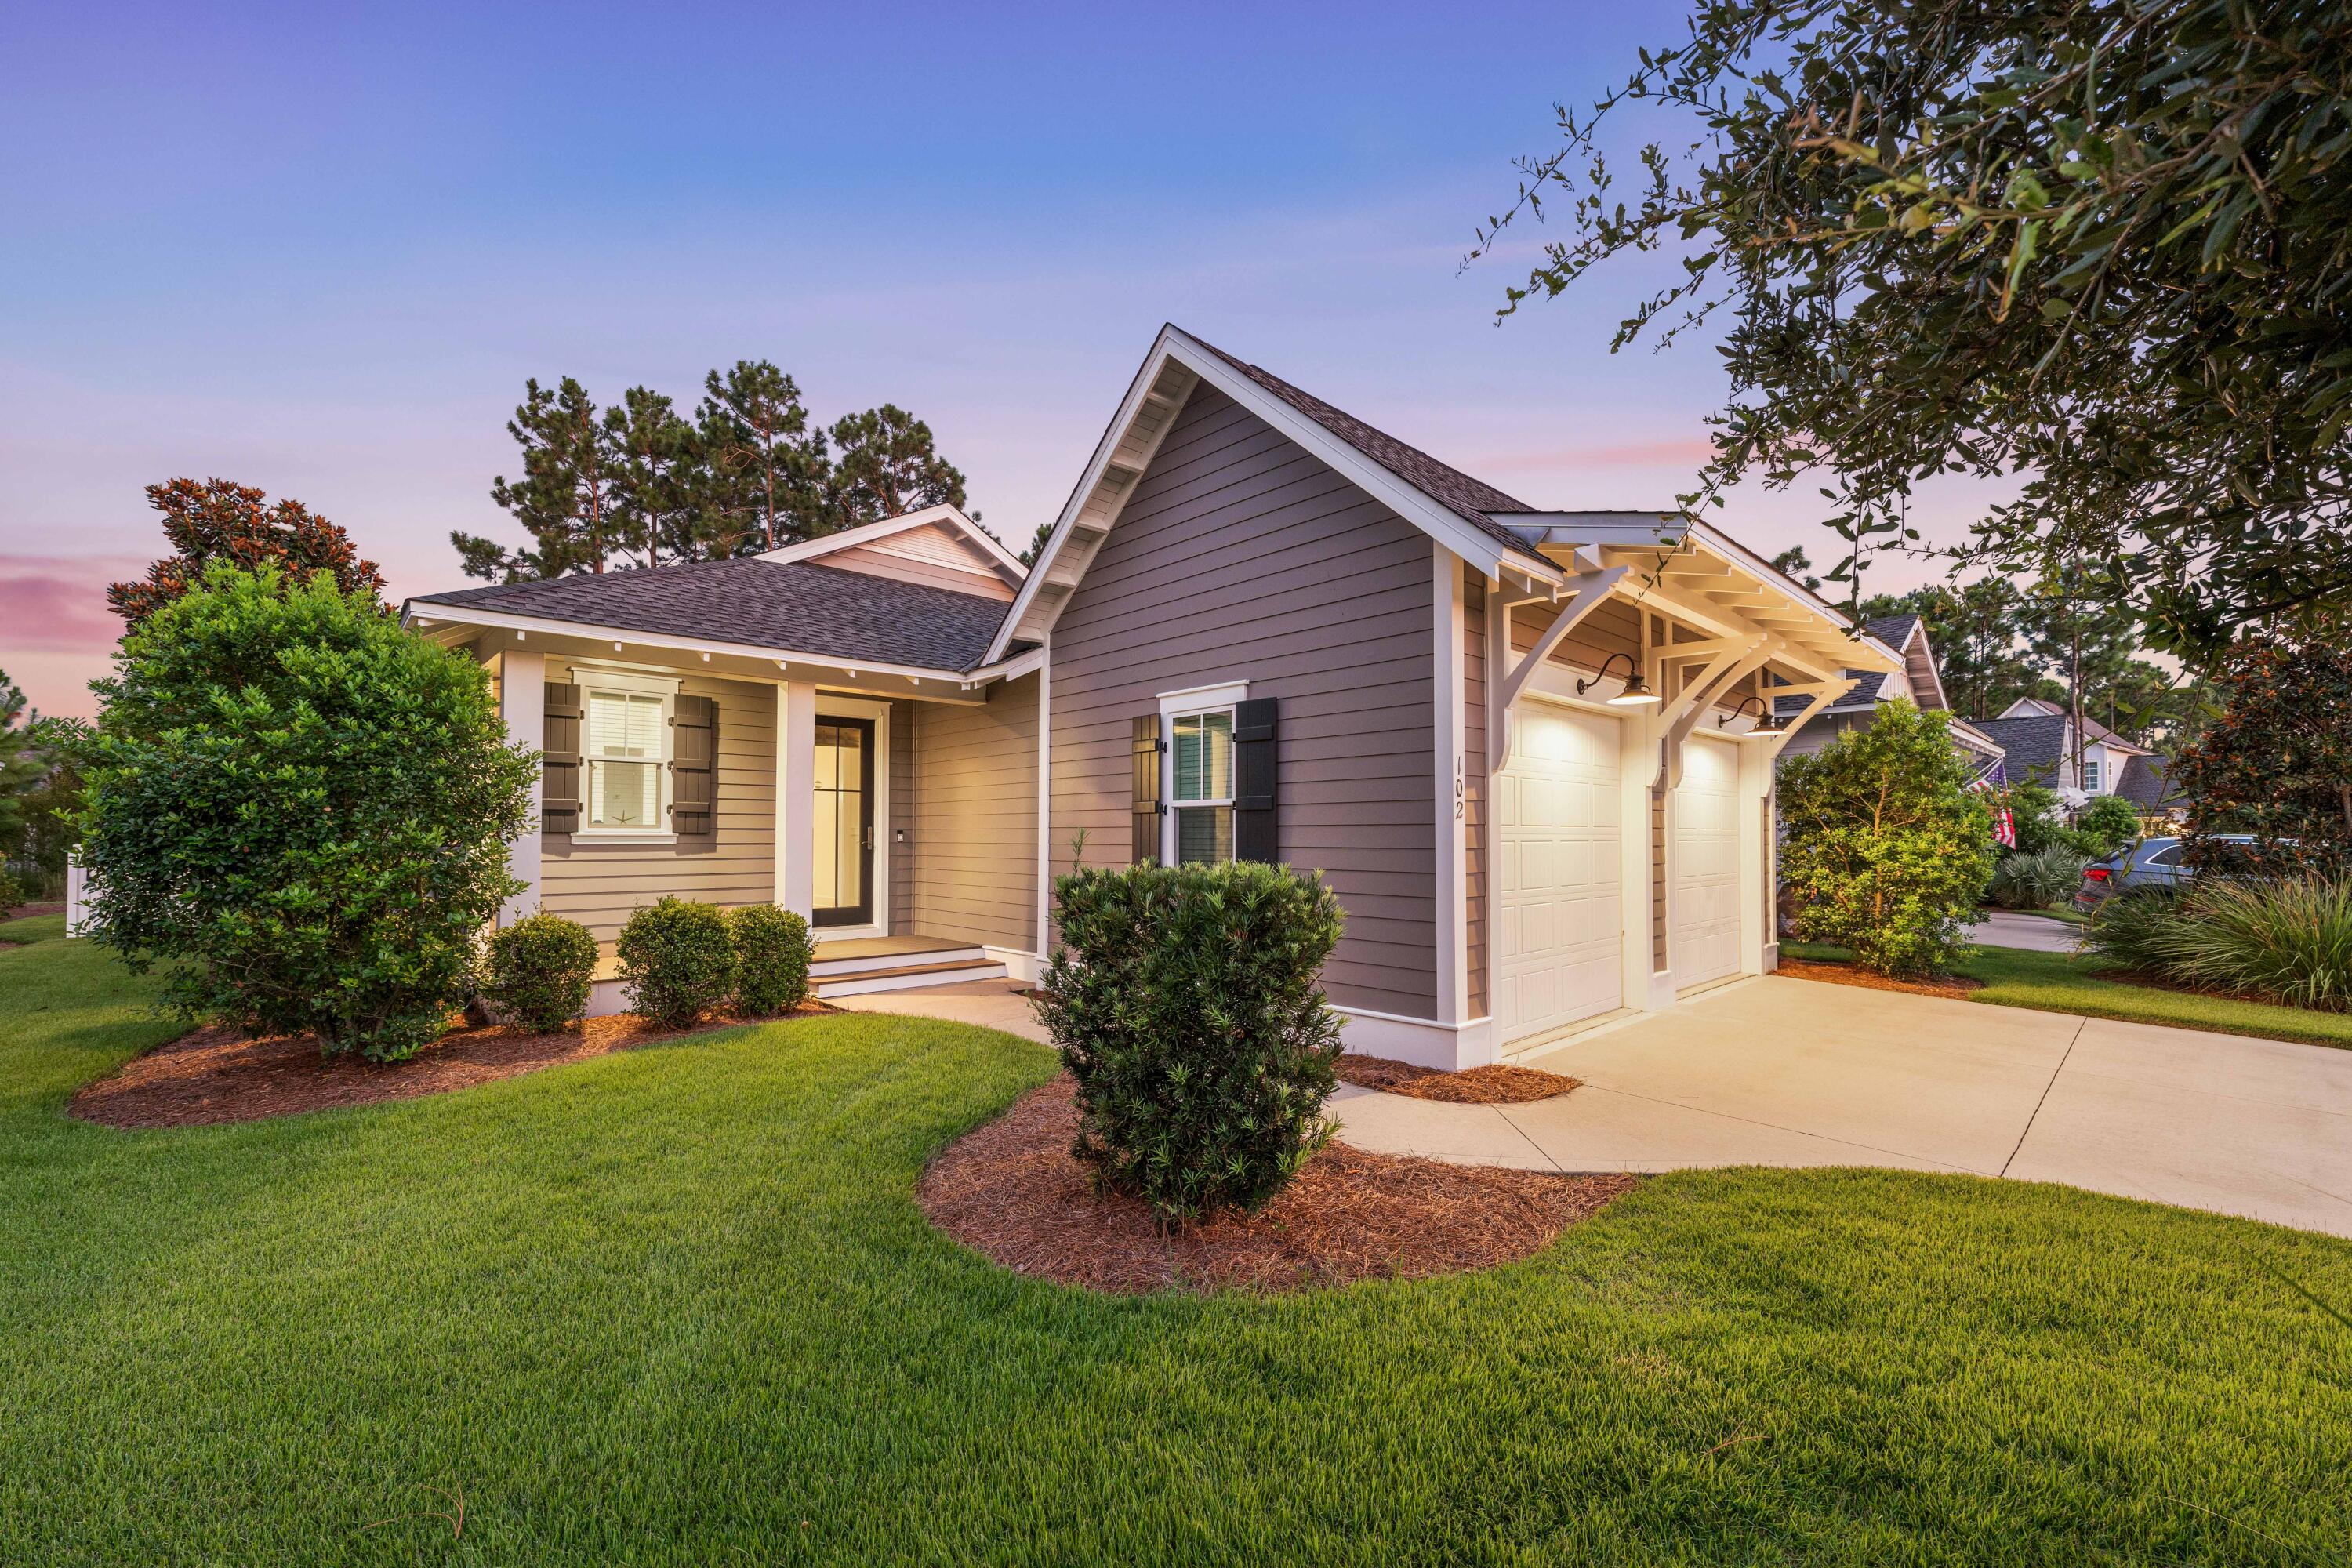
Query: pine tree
{"points": [[887, 467], [565, 495], [764, 472], [221, 521], [650, 454]]}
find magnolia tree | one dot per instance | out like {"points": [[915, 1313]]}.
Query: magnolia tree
{"points": [[2277, 761], [298, 812], [1885, 849]]}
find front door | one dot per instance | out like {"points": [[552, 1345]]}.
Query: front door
{"points": [[844, 822]]}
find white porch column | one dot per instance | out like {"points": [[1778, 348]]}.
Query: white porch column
{"points": [[1755, 857], [522, 703], [796, 796]]}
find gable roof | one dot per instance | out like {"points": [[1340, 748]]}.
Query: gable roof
{"points": [[792, 606], [1470, 499], [2146, 782], [2036, 745], [1893, 630], [941, 516], [2093, 731]]}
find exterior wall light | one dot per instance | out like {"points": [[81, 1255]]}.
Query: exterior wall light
{"points": [[1637, 693]]}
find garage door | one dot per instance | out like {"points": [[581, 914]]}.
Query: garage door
{"points": [[1705, 932], [1557, 928]]}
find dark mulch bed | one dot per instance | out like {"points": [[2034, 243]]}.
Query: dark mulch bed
{"points": [[1956, 986], [218, 1074], [26, 911], [1012, 1191], [1494, 1085]]}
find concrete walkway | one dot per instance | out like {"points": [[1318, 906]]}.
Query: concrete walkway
{"points": [[1793, 1072], [2036, 933]]}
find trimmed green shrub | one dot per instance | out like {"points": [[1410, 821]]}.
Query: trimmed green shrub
{"points": [[299, 813], [772, 951], [2037, 882], [2276, 761], [2108, 822], [677, 960], [1884, 849], [540, 969], [1185, 1002], [2288, 942]]}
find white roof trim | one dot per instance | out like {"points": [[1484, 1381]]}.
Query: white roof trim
{"points": [[425, 612], [1440, 523], [1935, 670], [872, 533]]}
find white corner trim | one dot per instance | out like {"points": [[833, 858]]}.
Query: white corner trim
{"points": [[1421, 1041], [1044, 805], [1019, 963], [1199, 699], [1452, 956]]}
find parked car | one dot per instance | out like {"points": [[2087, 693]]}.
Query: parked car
{"points": [[2150, 864]]}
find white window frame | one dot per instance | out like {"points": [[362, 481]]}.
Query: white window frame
{"points": [[2095, 771], [1191, 702], [626, 683]]}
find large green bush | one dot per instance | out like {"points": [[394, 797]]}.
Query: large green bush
{"points": [[772, 951], [2036, 882], [677, 960], [2277, 762], [2287, 941], [1884, 850], [2107, 823], [540, 970], [1185, 1002], [299, 811]]}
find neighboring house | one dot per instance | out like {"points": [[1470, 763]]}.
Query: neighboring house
{"points": [[1521, 746], [1917, 680], [2041, 742]]}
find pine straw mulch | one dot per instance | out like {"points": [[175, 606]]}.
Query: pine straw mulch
{"points": [[218, 1074], [1498, 1084], [1013, 1192], [1955, 986]]}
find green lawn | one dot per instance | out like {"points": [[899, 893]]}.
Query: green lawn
{"points": [[676, 1306], [33, 928], [2061, 983]]}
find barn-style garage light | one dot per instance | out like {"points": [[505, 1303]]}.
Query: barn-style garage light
{"points": [[1637, 691]]}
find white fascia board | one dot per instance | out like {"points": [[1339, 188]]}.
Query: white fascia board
{"points": [[1440, 523], [416, 612], [870, 533], [1934, 672], [1012, 668]]}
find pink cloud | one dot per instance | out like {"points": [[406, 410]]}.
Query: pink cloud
{"points": [[56, 604], [1683, 454]]}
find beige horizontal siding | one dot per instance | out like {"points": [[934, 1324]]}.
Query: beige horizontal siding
{"points": [[974, 820]]}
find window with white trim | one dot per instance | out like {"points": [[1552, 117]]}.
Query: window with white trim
{"points": [[1200, 764], [2090, 776], [625, 747]]}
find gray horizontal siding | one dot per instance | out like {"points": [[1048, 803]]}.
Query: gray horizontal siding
{"points": [[1240, 556]]}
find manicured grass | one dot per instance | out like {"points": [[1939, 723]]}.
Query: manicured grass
{"points": [[2062, 982], [676, 1306], [34, 928]]}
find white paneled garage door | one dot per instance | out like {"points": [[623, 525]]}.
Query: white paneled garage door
{"points": [[1705, 881], [1558, 927]]}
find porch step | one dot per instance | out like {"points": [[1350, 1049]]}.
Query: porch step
{"points": [[868, 953], [907, 976]]}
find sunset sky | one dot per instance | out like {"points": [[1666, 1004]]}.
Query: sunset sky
{"points": [[319, 250]]}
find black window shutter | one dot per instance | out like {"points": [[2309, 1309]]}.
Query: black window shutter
{"points": [[1257, 834], [1148, 806], [558, 788], [693, 767]]}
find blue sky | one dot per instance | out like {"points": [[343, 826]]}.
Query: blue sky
{"points": [[319, 250]]}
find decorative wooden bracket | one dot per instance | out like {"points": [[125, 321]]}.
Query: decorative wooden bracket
{"points": [[1818, 694], [1732, 662], [1507, 676]]}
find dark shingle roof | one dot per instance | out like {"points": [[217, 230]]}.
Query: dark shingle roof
{"points": [[2146, 782], [798, 606], [2036, 746], [1892, 630], [1469, 498]]}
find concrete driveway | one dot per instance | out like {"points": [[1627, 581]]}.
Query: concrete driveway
{"points": [[1793, 1072], [2038, 933]]}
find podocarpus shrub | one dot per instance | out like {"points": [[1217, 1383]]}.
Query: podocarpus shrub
{"points": [[1884, 848], [540, 969], [2038, 880], [2288, 940], [1185, 1002], [299, 813], [2107, 823], [772, 950], [676, 960]]}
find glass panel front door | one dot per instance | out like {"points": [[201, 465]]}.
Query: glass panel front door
{"points": [[844, 822]]}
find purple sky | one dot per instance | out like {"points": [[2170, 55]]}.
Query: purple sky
{"points": [[319, 250]]}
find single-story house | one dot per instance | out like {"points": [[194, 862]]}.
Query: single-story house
{"points": [[2039, 737], [1919, 681], [1523, 746]]}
